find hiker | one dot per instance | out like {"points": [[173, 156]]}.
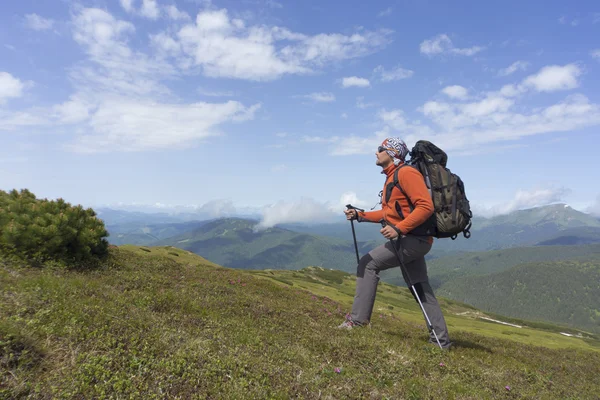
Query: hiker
{"points": [[390, 156]]}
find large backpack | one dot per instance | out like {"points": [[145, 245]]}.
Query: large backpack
{"points": [[452, 213]]}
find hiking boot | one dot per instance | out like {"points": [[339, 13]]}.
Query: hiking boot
{"points": [[349, 323]]}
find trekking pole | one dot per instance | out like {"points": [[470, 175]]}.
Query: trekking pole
{"points": [[412, 287], [351, 207]]}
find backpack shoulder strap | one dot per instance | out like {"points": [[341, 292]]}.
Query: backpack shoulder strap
{"points": [[397, 184]]}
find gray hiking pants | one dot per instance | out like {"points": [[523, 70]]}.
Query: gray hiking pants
{"points": [[384, 257]]}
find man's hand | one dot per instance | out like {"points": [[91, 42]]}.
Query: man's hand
{"points": [[351, 214], [388, 232]]}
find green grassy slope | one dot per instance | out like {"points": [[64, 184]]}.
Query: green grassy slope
{"points": [[163, 323]]}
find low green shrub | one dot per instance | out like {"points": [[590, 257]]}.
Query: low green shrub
{"points": [[41, 230]]}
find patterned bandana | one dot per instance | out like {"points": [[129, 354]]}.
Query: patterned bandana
{"points": [[396, 149]]}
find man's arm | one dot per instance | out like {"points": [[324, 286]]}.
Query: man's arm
{"points": [[370, 216]]}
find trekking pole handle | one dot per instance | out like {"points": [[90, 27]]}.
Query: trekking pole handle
{"points": [[351, 207]]}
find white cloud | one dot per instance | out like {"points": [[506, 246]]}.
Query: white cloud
{"points": [[441, 44], [554, 77], [127, 5], [595, 54], [490, 119], [10, 87], [150, 9], [321, 97], [344, 115], [514, 67], [35, 22], [511, 90], [455, 92], [120, 103], [143, 125], [355, 81], [282, 134], [306, 210], [73, 111], [395, 74], [226, 47], [175, 14]]}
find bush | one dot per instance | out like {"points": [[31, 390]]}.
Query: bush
{"points": [[43, 230]]}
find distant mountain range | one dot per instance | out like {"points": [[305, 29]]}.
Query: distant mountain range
{"points": [[549, 225]]}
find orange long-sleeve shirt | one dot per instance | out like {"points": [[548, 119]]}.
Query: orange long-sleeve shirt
{"points": [[413, 184]]}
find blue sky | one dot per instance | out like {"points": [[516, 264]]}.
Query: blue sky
{"points": [[278, 106]]}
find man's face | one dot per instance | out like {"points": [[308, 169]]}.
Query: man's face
{"points": [[383, 158]]}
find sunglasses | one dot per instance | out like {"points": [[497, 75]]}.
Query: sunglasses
{"points": [[381, 148]]}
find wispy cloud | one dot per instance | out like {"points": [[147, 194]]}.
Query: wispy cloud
{"points": [[38, 23], [320, 97], [514, 67], [279, 168], [175, 14], [441, 44], [497, 117], [319, 139], [595, 54], [355, 81], [565, 21], [216, 93], [395, 74], [360, 103], [386, 12]]}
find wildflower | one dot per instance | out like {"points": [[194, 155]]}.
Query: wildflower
{"points": [[507, 388], [442, 365], [338, 370]]}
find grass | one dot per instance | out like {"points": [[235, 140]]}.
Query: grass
{"points": [[155, 325]]}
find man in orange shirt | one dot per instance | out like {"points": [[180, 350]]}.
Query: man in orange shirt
{"points": [[403, 214]]}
